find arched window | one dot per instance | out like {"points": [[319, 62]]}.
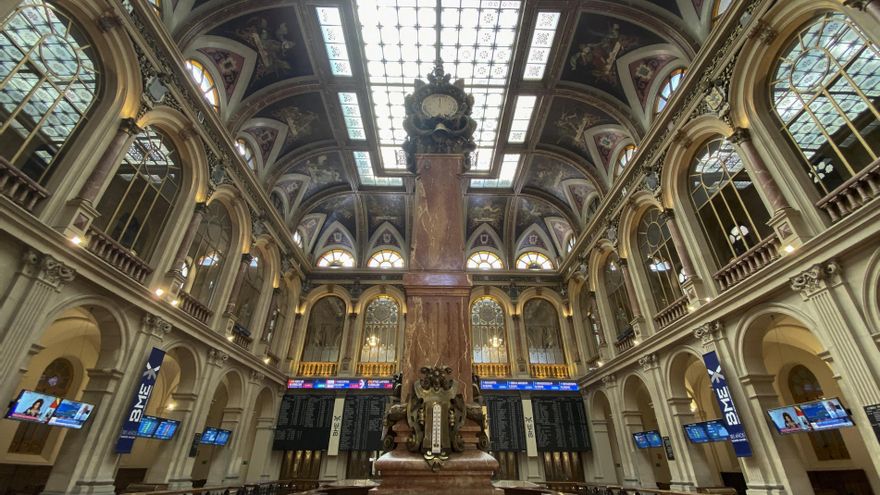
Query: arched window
{"points": [[48, 82], [590, 320], [661, 261], [488, 331], [667, 89], [138, 202], [249, 296], [244, 149], [205, 82], [542, 332], [336, 258], [381, 321], [625, 156], [720, 7], [386, 258], [804, 386], [533, 260], [324, 331], [30, 438], [615, 290], [207, 254], [825, 91], [298, 238], [569, 244], [731, 213], [485, 260]]}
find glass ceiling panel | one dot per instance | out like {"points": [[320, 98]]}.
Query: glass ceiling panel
{"points": [[522, 115], [540, 46], [402, 39], [365, 172], [509, 168], [351, 112], [334, 40]]}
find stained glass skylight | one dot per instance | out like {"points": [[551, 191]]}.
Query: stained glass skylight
{"points": [[540, 46], [351, 112], [334, 39], [509, 167], [522, 115], [365, 172], [402, 39]]}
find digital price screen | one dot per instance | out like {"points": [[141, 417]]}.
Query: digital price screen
{"points": [[341, 384], [537, 385]]}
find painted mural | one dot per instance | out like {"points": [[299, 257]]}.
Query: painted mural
{"points": [[228, 65], [383, 208], [569, 125], [324, 171], [485, 209], [643, 73], [548, 173], [305, 119]]}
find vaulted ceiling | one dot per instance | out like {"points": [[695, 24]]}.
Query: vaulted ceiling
{"points": [[278, 92]]}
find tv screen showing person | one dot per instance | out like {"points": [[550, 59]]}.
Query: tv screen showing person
{"points": [[789, 419], [33, 407], [826, 414], [71, 414]]}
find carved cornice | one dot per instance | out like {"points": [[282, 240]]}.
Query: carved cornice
{"points": [[609, 381], [649, 362], [815, 278], [46, 269], [255, 376], [155, 326], [708, 332]]}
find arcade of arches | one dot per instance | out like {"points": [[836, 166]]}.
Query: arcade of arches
{"points": [[656, 184]]}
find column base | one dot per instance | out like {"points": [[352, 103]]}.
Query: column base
{"points": [[407, 473]]}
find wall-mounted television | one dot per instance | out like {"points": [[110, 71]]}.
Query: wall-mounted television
{"points": [[648, 439], [147, 426], [222, 437], [209, 436], [696, 432], [717, 430], [824, 414], [33, 407], [166, 428], [71, 414]]}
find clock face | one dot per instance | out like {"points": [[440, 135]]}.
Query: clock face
{"points": [[439, 105]]}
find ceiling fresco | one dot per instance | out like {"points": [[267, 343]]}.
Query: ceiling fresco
{"points": [[304, 117], [385, 208], [484, 209], [571, 125]]}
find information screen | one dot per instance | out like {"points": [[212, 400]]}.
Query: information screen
{"points": [[826, 414], [209, 436], [539, 385], [33, 407], [696, 432], [71, 414], [789, 419], [560, 424], [362, 421], [343, 384], [717, 430], [165, 429], [506, 427], [641, 440], [222, 437], [304, 422], [147, 426], [648, 439]]}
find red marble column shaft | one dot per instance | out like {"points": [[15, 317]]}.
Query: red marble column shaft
{"points": [[760, 173], [109, 160], [188, 236], [630, 289], [246, 259], [687, 265]]}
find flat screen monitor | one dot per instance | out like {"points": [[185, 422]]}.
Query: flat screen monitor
{"points": [[33, 407], [696, 432], [716, 429], [209, 437], [147, 426], [71, 414], [826, 414], [789, 419], [654, 438], [222, 437], [641, 440], [166, 428]]}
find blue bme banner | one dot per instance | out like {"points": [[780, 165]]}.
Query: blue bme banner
{"points": [[738, 437], [139, 402]]}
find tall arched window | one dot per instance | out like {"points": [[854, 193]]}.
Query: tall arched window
{"points": [[249, 296], [138, 202], [667, 89], [825, 92], [625, 156], [804, 386], [485, 260], [30, 438], [247, 153], [48, 82], [324, 332], [488, 331], [205, 82], [543, 333], [207, 254], [381, 320], [615, 290], [661, 261], [730, 210], [720, 7]]}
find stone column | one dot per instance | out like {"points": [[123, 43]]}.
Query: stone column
{"points": [[257, 465], [689, 457], [693, 285], [624, 439], [110, 391], [246, 259], [242, 416], [175, 278], [576, 344], [641, 459], [603, 460], [177, 449], [348, 344], [270, 320], [23, 317], [630, 289], [83, 205], [223, 470], [872, 7]]}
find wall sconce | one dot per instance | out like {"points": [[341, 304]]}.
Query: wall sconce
{"points": [[76, 240]]}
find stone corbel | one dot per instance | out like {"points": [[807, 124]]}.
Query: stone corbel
{"points": [[256, 377], [763, 31], [108, 21], [609, 381], [649, 362], [709, 333], [217, 358], [46, 269], [155, 326], [815, 279]]}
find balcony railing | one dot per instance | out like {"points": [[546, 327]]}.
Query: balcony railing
{"points": [[20, 188], [317, 368], [241, 336], [852, 194], [484, 370], [549, 370], [673, 312], [749, 263], [117, 255], [193, 307], [625, 341], [376, 369]]}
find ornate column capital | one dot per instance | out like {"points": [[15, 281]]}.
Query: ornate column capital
{"points": [[609, 381], [739, 135], [708, 332], [858, 4], [649, 362], [255, 377], [246, 258], [217, 357], [155, 326], [130, 126], [815, 278], [46, 269], [667, 214], [763, 31], [201, 207]]}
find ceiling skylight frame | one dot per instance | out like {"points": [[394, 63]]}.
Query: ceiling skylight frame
{"points": [[481, 54], [507, 174], [364, 165], [333, 33], [524, 108], [351, 113], [541, 45]]}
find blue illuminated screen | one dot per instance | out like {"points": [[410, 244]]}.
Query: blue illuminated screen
{"points": [[539, 385], [332, 384]]}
